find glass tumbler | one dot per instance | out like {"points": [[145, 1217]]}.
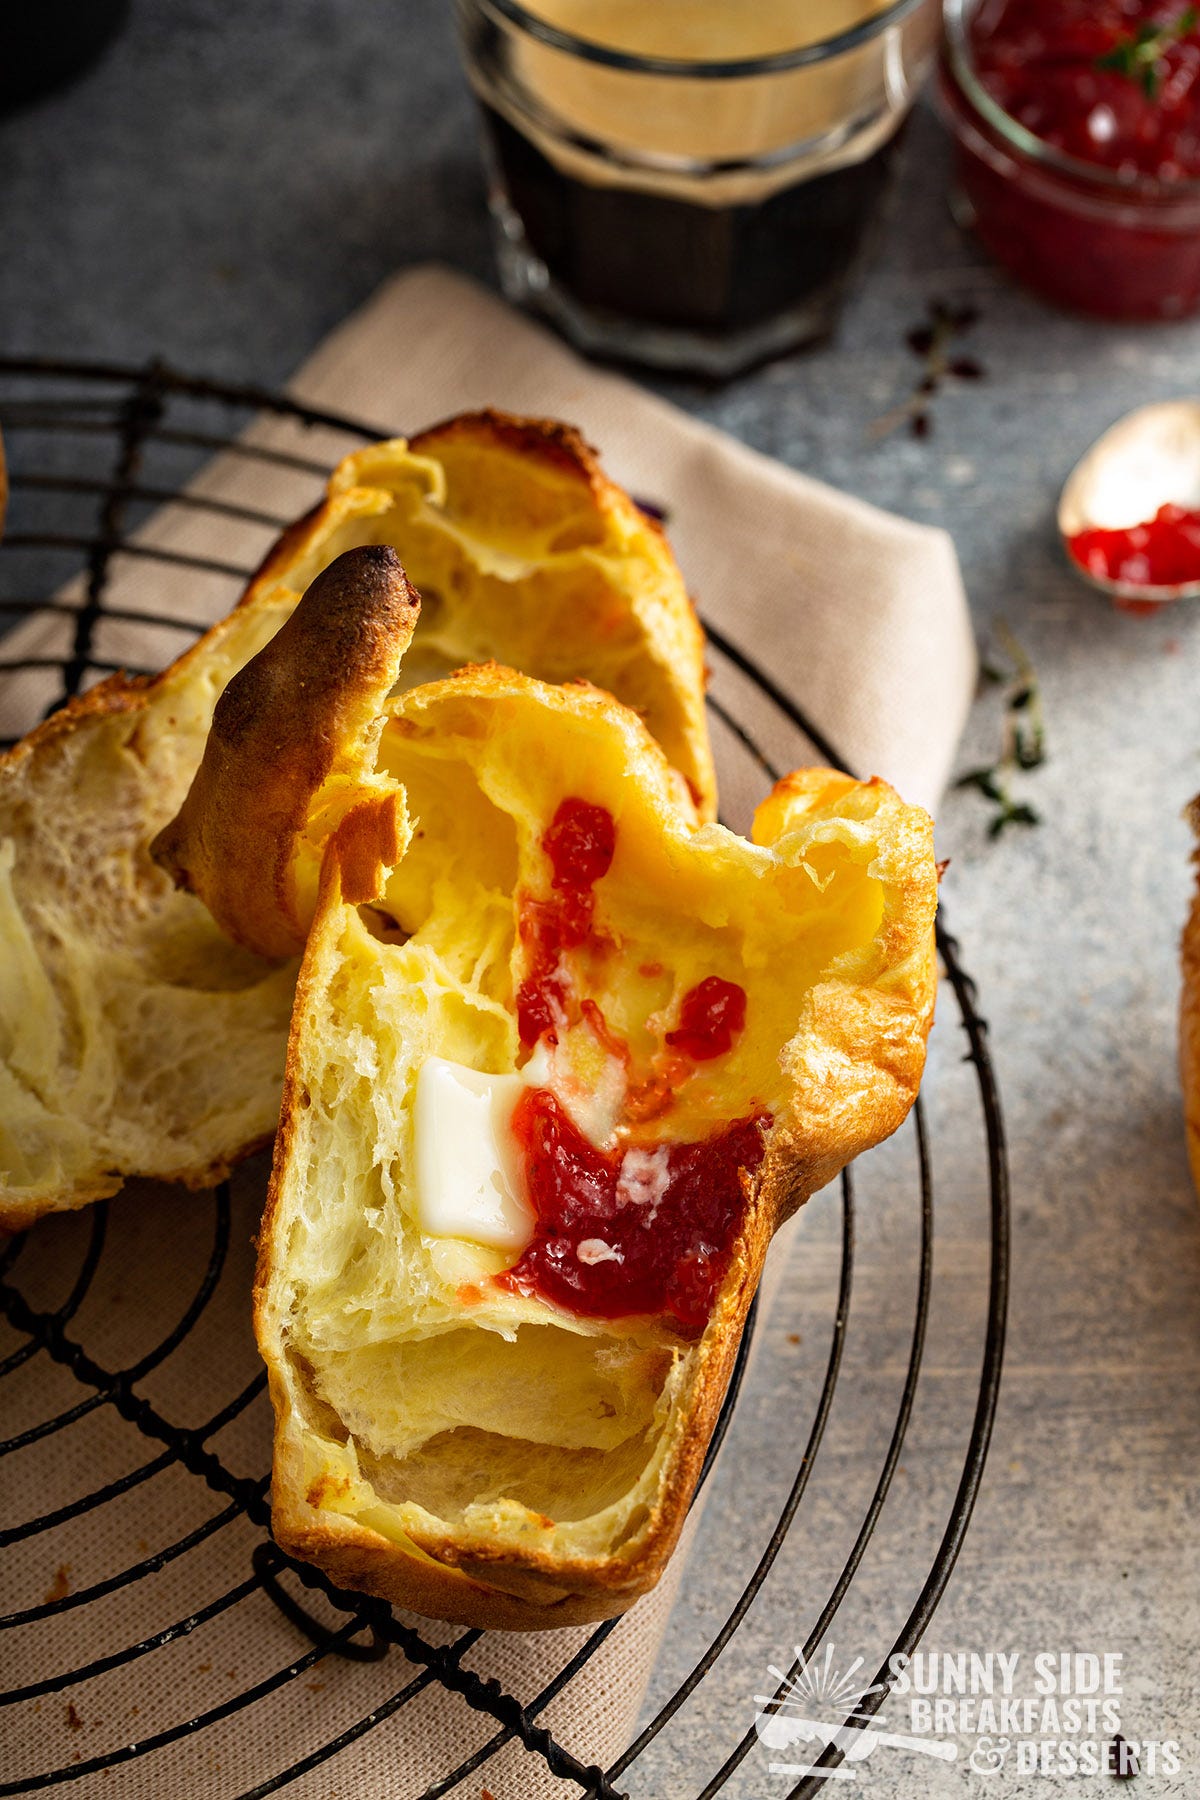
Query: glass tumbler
{"points": [[690, 183]]}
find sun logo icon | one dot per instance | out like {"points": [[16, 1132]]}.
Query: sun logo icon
{"points": [[791, 1717]]}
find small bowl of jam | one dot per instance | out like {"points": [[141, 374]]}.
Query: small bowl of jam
{"points": [[1077, 127], [1129, 514]]}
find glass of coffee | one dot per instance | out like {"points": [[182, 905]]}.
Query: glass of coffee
{"points": [[690, 183]]}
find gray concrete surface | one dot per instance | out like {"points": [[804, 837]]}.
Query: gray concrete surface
{"points": [[223, 189]]}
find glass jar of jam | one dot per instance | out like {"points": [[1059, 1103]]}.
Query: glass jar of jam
{"points": [[690, 183], [1077, 127]]}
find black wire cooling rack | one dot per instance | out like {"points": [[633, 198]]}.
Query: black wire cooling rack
{"points": [[93, 449]]}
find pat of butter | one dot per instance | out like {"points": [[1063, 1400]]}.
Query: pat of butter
{"points": [[468, 1164]]}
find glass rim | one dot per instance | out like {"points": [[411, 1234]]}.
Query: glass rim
{"points": [[697, 68], [1018, 138]]}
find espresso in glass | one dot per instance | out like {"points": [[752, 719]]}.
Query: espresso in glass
{"points": [[690, 182]]}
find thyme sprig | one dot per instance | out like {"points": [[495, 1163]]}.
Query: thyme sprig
{"points": [[933, 340], [1023, 743], [1139, 54]]}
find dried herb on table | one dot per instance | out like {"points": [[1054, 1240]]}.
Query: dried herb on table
{"points": [[933, 340], [1023, 745]]}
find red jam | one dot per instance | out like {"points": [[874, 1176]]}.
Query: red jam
{"points": [[579, 842], [1114, 85], [630, 1231], [1163, 552], [1113, 82], [710, 1017]]}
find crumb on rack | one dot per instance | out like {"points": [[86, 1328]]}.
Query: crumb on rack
{"points": [[60, 1587]]}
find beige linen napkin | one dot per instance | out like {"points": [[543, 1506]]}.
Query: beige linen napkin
{"points": [[861, 618]]}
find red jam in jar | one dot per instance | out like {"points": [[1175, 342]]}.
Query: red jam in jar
{"points": [[630, 1231], [1106, 81], [1102, 211]]}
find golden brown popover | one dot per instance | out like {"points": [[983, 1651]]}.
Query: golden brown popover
{"points": [[563, 1057], [135, 1036]]}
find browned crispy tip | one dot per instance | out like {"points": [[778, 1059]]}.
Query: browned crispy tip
{"points": [[302, 712], [550, 441]]}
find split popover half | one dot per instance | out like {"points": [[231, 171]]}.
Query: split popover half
{"points": [[563, 1057], [135, 1036]]}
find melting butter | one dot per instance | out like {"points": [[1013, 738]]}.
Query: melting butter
{"points": [[469, 1175]]}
